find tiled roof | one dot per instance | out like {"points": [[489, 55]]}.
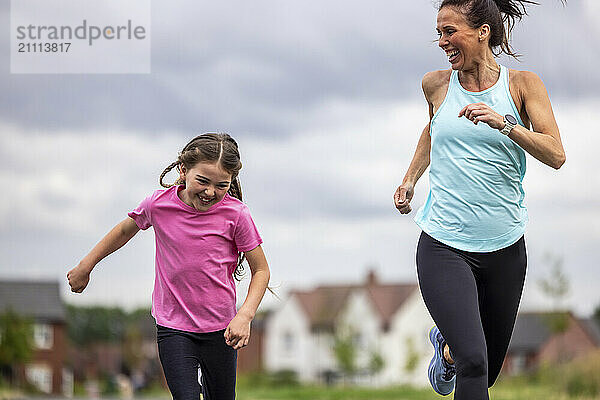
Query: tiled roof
{"points": [[530, 333], [592, 325], [323, 304], [388, 299], [34, 299], [533, 329]]}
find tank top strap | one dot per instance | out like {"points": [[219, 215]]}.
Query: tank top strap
{"points": [[504, 76], [454, 83]]}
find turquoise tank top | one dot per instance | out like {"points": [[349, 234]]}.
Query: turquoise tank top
{"points": [[476, 197]]}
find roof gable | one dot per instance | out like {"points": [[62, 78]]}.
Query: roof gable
{"points": [[388, 299], [323, 304]]}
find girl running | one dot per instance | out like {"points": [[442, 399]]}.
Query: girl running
{"points": [[471, 256], [203, 234]]}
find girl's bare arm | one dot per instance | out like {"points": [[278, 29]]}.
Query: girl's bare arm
{"points": [[237, 333], [79, 276]]}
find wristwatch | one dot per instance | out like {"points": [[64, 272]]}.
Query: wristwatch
{"points": [[509, 123]]}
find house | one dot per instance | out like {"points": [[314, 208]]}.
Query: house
{"points": [[40, 302], [545, 337], [128, 352], [250, 358], [387, 325]]}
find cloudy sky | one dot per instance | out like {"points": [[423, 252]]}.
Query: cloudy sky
{"points": [[324, 99]]}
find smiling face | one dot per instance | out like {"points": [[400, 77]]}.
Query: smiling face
{"points": [[205, 185], [461, 43]]}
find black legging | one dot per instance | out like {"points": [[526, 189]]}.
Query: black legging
{"points": [[473, 299], [181, 353]]}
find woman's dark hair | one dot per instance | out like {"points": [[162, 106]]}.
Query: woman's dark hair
{"points": [[500, 15], [214, 148]]}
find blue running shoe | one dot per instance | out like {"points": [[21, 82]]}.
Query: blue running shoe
{"points": [[442, 375]]}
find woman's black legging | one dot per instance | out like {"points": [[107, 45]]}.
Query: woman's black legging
{"points": [[473, 299], [182, 353]]}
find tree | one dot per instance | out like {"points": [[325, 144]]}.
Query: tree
{"points": [[344, 352], [556, 287], [133, 355], [16, 342], [412, 356], [556, 284], [86, 325], [376, 363]]}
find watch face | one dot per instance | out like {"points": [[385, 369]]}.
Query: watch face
{"points": [[512, 120]]}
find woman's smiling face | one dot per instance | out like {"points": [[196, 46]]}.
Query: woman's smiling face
{"points": [[205, 185], [459, 41]]}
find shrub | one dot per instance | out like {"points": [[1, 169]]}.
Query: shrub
{"points": [[284, 377], [582, 376], [579, 377]]}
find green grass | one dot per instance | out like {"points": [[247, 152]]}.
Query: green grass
{"points": [[324, 393], [512, 390], [576, 380]]}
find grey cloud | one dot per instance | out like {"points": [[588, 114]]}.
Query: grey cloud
{"points": [[255, 68]]}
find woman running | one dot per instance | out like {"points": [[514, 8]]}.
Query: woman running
{"points": [[471, 256]]}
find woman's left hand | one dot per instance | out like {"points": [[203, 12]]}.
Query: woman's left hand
{"points": [[481, 112], [237, 333]]}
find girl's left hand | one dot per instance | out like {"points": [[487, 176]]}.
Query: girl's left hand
{"points": [[481, 112], [237, 333]]}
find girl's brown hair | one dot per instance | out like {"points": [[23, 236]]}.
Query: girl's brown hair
{"points": [[213, 148], [500, 15]]}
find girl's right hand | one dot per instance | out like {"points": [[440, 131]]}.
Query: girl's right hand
{"points": [[78, 278], [403, 196]]}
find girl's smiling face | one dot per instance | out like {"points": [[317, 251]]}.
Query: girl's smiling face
{"points": [[205, 185]]}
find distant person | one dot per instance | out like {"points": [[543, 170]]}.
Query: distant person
{"points": [[471, 256], [203, 233]]}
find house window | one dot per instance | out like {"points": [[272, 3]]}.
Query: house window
{"points": [[518, 363], [43, 336], [67, 382], [358, 341], [40, 375], [288, 342]]}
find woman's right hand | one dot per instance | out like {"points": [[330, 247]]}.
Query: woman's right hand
{"points": [[78, 278], [403, 196]]}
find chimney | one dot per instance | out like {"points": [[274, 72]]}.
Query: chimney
{"points": [[371, 277]]}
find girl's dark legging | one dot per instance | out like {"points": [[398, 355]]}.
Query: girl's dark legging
{"points": [[473, 299], [182, 353]]}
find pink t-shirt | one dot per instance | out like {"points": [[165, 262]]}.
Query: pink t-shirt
{"points": [[196, 254]]}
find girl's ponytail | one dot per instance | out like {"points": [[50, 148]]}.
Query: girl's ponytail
{"points": [[235, 189], [165, 172]]}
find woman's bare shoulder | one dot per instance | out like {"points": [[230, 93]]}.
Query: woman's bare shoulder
{"points": [[435, 81], [524, 80]]}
